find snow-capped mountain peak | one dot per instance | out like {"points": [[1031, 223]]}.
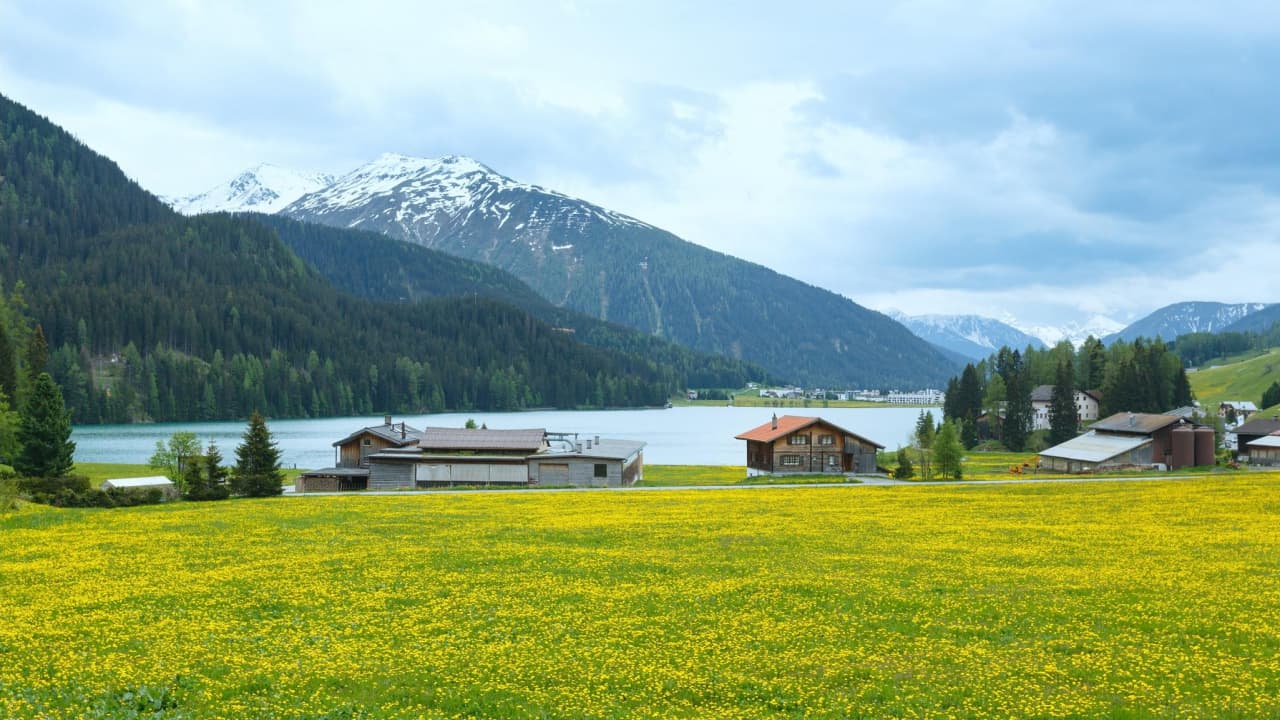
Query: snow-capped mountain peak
{"points": [[430, 197], [973, 336], [265, 188]]}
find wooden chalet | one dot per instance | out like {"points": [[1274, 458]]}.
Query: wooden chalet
{"points": [[352, 457], [794, 444]]}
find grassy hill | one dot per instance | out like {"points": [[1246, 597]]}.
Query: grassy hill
{"points": [[1240, 380], [1121, 600]]}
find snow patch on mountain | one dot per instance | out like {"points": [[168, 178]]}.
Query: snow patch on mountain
{"points": [[973, 336], [1098, 326], [1182, 318], [444, 192], [265, 188]]}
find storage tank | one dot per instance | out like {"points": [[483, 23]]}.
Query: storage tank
{"points": [[1206, 447], [1184, 449]]}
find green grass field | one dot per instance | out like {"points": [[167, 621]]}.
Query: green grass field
{"points": [[1243, 380], [1118, 600]]}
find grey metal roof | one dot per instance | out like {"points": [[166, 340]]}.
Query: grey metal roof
{"points": [[606, 449], [530, 440], [396, 433], [1042, 393], [1145, 423], [1096, 447], [1266, 441]]}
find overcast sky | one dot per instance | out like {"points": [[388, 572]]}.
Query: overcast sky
{"points": [[1043, 163]]}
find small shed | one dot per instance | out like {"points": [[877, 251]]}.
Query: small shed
{"points": [[597, 462], [143, 484]]}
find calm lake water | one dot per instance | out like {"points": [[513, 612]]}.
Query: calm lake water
{"points": [[675, 436]]}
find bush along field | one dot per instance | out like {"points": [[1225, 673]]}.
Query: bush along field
{"points": [[1152, 599]]}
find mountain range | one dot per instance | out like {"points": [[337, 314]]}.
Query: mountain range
{"points": [[583, 257], [1170, 321], [972, 336]]}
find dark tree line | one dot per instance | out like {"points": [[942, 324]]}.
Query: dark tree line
{"points": [[1196, 349], [991, 399]]}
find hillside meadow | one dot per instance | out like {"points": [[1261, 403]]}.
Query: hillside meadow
{"points": [[1126, 600], [1245, 379]]}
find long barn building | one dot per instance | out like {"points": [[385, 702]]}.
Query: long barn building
{"points": [[395, 457]]}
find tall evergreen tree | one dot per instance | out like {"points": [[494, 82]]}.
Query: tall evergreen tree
{"points": [[1018, 413], [8, 362], [9, 422], [257, 471], [37, 354], [1063, 418], [207, 478], [44, 432]]}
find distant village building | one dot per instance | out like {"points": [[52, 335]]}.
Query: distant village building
{"points": [[1133, 440], [395, 456], [928, 396], [1087, 403], [1265, 450], [792, 444], [1243, 409]]}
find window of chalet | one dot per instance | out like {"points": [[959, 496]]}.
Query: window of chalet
{"points": [[791, 459], [366, 442], [798, 440], [602, 470], [826, 439], [833, 461]]}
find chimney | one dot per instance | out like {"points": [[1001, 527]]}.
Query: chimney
{"points": [[775, 421], [386, 419], [1133, 421], [588, 443], [402, 430], [597, 440], [577, 447]]}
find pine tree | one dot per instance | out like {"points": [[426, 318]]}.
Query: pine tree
{"points": [[44, 432], [257, 471], [8, 363], [947, 452], [1270, 396], [1063, 418], [209, 479], [37, 354]]}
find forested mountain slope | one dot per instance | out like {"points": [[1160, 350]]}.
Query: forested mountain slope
{"points": [[617, 268], [372, 265], [155, 316]]}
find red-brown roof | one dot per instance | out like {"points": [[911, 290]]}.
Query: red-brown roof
{"points": [[788, 424]]}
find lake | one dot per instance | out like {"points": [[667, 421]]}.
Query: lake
{"points": [[675, 436]]}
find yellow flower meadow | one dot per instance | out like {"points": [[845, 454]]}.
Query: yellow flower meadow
{"points": [[1133, 599]]}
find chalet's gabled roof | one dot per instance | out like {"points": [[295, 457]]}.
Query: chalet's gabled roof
{"points": [[1259, 426], [788, 424], [530, 440], [395, 433], [1135, 423]]}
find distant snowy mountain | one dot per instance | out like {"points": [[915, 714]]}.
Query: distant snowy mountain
{"points": [[972, 336], [1171, 321], [265, 188], [1098, 326]]}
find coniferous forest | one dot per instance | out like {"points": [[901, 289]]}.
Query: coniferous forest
{"points": [[153, 316]]}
